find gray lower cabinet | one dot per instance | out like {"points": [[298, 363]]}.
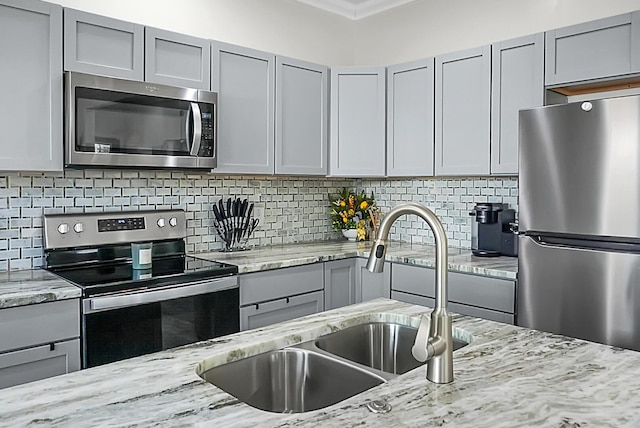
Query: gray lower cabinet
{"points": [[357, 124], [479, 296], [410, 120], [598, 49], [97, 44], [517, 83], [462, 112], [31, 86], [39, 341], [280, 295], [245, 82], [177, 59], [369, 285], [301, 117], [340, 283]]}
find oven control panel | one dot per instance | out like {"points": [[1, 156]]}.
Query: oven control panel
{"points": [[112, 224], [88, 229]]}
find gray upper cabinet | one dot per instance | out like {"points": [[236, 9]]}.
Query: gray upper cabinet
{"points": [[357, 128], [31, 86], [517, 83], [301, 117], [593, 50], [245, 82], [96, 44], [462, 116], [177, 59], [410, 135]]}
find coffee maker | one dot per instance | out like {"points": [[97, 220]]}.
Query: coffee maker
{"points": [[492, 232]]}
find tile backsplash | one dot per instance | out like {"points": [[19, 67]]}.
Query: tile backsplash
{"points": [[295, 208]]}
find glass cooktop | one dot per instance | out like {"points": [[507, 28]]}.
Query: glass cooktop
{"points": [[117, 277]]}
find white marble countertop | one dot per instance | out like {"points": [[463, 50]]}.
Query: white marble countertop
{"points": [[27, 287], [279, 256], [506, 377]]}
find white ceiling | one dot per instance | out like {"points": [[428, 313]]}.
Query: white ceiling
{"points": [[355, 9]]}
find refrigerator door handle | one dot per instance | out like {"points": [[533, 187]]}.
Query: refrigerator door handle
{"points": [[595, 243]]}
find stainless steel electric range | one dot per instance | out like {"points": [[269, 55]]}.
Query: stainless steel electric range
{"points": [[175, 299]]}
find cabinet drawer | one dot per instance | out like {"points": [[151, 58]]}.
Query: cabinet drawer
{"points": [[41, 362], [457, 308], [260, 315], [480, 291], [275, 284], [25, 326], [483, 292], [413, 279]]}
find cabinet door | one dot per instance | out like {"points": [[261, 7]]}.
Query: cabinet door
{"points": [[41, 362], [245, 82], [463, 104], [369, 285], [31, 86], [357, 129], [177, 59], [593, 50], [339, 283], [263, 314], [517, 83], [410, 118], [301, 117], [96, 44]]}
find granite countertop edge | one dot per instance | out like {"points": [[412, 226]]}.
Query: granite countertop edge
{"points": [[506, 377]]}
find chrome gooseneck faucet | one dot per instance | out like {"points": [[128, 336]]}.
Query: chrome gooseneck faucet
{"points": [[433, 342]]}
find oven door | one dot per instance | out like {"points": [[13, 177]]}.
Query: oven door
{"points": [[116, 327], [115, 122]]}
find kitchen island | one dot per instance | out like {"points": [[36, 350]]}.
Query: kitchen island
{"points": [[507, 376]]}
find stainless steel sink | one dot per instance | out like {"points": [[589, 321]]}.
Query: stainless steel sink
{"points": [[316, 374], [382, 346], [291, 380]]}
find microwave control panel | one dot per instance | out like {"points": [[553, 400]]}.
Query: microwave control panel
{"points": [[208, 133]]}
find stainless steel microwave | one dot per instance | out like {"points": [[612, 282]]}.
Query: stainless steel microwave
{"points": [[126, 124]]}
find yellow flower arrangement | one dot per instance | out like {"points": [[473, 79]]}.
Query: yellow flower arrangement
{"points": [[351, 211]]}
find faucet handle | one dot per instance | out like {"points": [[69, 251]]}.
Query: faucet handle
{"points": [[419, 349]]}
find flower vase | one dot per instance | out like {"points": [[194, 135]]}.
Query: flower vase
{"points": [[350, 234]]}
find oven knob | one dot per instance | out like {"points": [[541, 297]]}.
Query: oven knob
{"points": [[78, 227], [173, 221], [63, 228], [161, 222]]}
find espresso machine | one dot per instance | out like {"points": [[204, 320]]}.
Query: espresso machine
{"points": [[492, 230]]}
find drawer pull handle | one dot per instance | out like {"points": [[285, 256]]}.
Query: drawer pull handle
{"points": [[287, 300], [52, 347]]}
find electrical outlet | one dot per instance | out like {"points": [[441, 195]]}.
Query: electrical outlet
{"points": [[258, 212]]}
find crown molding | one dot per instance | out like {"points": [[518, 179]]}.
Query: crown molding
{"points": [[349, 9]]}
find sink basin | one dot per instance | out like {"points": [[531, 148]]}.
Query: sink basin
{"points": [[291, 380], [379, 345]]}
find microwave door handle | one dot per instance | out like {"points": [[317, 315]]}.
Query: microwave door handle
{"points": [[194, 109]]}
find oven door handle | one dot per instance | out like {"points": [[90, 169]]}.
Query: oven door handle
{"points": [[104, 303]]}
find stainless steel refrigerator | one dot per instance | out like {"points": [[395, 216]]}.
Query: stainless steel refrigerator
{"points": [[579, 200]]}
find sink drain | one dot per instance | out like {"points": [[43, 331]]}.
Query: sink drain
{"points": [[379, 406]]}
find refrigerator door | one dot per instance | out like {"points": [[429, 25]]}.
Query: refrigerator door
{"points": [[580, 168], [589, 294]]}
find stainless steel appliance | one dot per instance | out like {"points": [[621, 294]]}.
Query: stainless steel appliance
{"points": [[120, 123], [492, 230], [128, 312], [579, 190]]}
